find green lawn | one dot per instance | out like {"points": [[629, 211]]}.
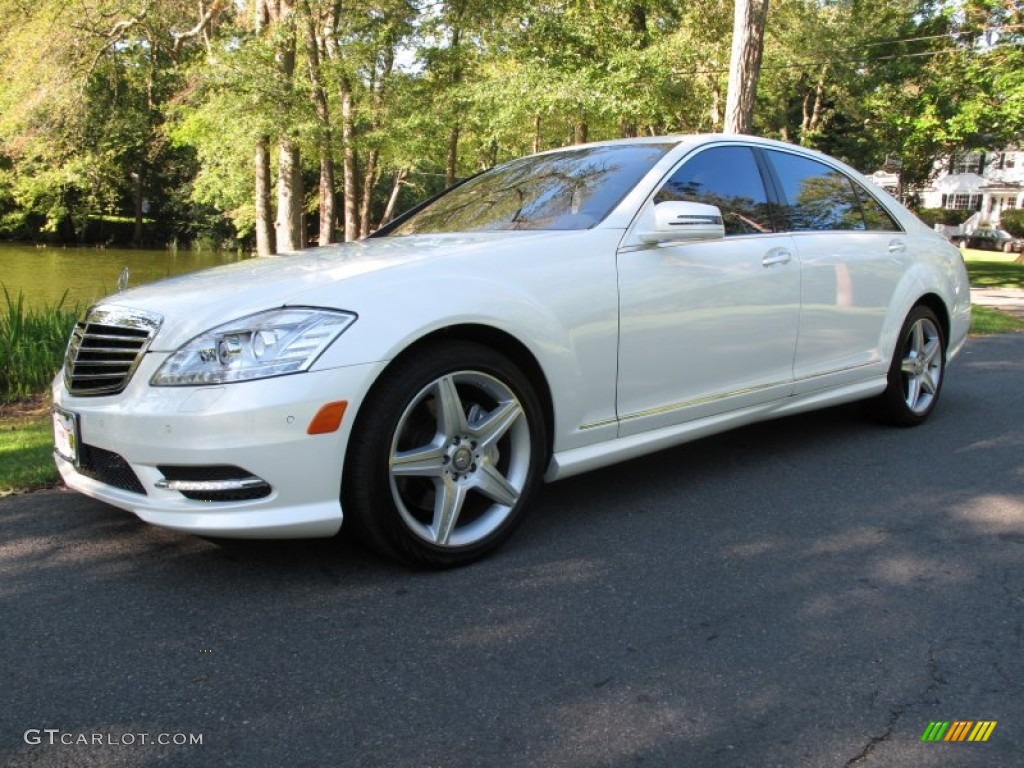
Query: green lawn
{"points": [[986, 321], [994, 270], [26, 448]]}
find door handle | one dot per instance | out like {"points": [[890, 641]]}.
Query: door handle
{"points": [[897, 246], [777, 256]]}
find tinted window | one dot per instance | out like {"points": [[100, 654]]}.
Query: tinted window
{"points": [[729, 178], [573, 189], [817, 197], [875, 216]]}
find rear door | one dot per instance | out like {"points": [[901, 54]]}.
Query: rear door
{"points": [[852, 255]]}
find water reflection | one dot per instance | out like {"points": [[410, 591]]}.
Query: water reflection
{"points": [[43, 274]]}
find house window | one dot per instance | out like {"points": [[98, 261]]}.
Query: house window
{"points": [[964, 202], [970, 163]]}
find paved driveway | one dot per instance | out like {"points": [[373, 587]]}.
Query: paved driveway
{"points": [[810, 592]]}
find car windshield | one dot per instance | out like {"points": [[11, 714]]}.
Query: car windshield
{"points": [[573, 189]]}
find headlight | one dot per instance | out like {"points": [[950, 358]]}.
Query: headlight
{"points": [[267, 344]]}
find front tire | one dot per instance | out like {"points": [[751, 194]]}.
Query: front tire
{"points": [[916, 372], [445, 456]]}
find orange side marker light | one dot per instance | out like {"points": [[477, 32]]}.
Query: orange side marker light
{"points": [[328, 418]]}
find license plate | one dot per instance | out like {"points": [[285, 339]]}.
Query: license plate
{"points": [[65, 434]]}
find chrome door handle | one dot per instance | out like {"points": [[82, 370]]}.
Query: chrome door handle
{"points": [[778, 256], [897, 246]]}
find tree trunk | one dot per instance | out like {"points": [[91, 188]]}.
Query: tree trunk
{"points": [[289, 196], [745, 64], [265, 245], [579, 135], [389, 211], [323, 116], [716, 106], [818, 110], [137, 195], [371, 174], [536, 134], [370, 178], [451, 161], [349, 169], [327, 211], [289, 169]]}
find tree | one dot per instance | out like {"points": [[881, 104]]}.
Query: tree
{"points": [[85, 87], [745, 64]]}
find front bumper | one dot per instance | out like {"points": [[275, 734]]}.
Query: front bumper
{"points": [[258, 426]]}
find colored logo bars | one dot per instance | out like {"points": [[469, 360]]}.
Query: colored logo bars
{"points": [[958, 730]]}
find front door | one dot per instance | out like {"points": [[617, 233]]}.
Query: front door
{"points": [[708, 327]]}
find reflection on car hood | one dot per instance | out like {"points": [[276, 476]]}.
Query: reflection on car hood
{"points": [[191, 304]]}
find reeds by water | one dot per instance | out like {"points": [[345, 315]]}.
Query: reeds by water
{"points": [[32, 344]]}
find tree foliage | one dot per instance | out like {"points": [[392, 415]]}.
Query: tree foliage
{"points": [[186, 115]]}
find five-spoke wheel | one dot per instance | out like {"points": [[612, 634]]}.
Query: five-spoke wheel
{"points": [[915, 375], [450, 445]]}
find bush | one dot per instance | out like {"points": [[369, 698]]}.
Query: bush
{"points": [[1013, 222], [933, 216], [32, 344]]}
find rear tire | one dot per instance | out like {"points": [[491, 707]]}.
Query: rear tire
{"points": [[445, 456], [916, 373]]}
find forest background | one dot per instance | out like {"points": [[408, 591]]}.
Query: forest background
{"points": [[273, 124]]}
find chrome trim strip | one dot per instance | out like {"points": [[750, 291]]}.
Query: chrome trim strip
{"points": [[700, 401], [241, 484], [834, 371], [597, 424]]}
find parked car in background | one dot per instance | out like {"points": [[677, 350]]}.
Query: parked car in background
{"points": [[553, 315], [990, 240]]}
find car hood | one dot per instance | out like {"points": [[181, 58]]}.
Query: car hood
{"points": [[193, 303]]}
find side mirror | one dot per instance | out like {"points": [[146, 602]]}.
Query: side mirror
{"points": [[682, 221]]}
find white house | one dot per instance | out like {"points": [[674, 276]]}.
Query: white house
{"points": [[986, 182]]}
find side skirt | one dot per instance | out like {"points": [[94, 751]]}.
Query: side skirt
{"points": [[578, 460]]}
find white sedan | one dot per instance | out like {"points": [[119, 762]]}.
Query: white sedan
{"points": [[553, 315]]}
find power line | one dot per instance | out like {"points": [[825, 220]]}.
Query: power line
{"points": [[819, 62]]}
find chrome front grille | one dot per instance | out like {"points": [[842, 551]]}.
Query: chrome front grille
{"points": [[106, 347]]}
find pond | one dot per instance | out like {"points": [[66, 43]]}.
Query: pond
{"points": [[44, 274]]}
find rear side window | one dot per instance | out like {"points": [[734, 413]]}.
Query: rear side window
{"points": [[875, 216], [727, 177], [817, 198]]}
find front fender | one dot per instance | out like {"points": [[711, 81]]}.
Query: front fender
{"points": [[569, 325]]}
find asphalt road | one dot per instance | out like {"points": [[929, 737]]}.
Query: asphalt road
{"points": [[809, 592]]}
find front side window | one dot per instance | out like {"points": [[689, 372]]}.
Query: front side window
{"points": [[727, 177], [573, 189]]}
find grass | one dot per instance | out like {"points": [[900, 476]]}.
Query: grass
{"points": [[994, 270], [988, 269], [32, 344], [986, 321], [26, 446]]}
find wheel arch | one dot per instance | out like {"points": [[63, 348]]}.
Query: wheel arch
{"points": [[935, 303], [505, 344]]}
